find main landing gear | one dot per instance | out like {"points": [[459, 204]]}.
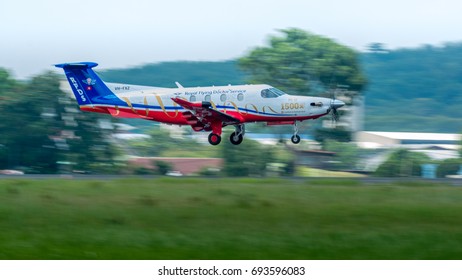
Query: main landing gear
{"points": [[215, 136], [214, 139], [236, 137], [295, 138]]}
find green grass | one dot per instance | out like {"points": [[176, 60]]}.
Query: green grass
{"points": [[191, 218]]}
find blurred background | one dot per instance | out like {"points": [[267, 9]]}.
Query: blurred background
{"points": [[397, 66]]}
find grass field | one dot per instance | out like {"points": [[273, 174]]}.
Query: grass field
{"points": [[181, 218]]}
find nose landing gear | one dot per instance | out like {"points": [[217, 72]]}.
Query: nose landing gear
{"points": [[295, 138]]}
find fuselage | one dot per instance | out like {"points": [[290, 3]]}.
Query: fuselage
{"points": [[203, 108], [248, 103]]}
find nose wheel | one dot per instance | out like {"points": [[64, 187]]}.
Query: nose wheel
{"points": [[295, 138]]}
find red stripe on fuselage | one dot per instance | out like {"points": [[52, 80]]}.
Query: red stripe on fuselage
{"points": [[175, 116]]}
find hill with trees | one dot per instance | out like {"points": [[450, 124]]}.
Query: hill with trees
{"points": [[187, 73], [414, 89]]}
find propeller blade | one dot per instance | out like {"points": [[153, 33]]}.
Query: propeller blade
{"points": [[334, 105]]}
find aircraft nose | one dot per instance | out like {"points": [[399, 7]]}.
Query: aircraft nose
{"points": [[337, 103]]}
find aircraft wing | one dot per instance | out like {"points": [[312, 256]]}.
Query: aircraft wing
{"points": [[201, 114]]}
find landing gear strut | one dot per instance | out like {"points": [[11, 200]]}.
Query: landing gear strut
{"points": [[215, 136], [295, 138], [238, 135]]}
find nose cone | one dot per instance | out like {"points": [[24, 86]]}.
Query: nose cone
{"points": [[337, 103]]}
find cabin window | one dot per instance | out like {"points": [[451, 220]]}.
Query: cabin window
{"points": [[192, 98], [208, 98], [240, 97], [223, 97]]}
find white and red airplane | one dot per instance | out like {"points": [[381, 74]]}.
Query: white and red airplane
{"points": [[203, 108]]}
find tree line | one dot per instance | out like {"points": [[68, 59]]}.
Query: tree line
{"points": [[417, 89], [42, 130]]}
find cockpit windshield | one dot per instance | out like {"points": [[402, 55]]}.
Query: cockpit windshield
{"points": [[271, 93]]}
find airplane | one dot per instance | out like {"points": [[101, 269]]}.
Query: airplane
{"points": [[203, 108]]}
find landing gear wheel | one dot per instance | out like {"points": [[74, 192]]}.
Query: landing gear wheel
{"points": [[295, 139], [214, 139], [236, 138]]}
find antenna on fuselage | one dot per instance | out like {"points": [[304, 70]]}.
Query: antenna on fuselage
{"points": [[179, 85]]}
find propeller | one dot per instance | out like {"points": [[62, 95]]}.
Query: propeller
{"points": [[334, 102], [334, 105]]}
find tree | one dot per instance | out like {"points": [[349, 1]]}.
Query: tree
{"points": [[42, 129], [158, 142], [163, 167], [9, 89], [377, 48], [30, 122], [402, 163], [460, 146], [249, 158], [337, 134], [448, 167], [346, 154], [91, 145], [300, 63]]}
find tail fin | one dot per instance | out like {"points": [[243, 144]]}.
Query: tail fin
{"points": [[88, 88]]}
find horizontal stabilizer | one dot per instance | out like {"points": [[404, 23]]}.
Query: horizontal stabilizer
{"points": [[77, 65]]}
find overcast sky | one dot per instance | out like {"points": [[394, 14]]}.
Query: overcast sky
{"points": [[36, 34]]}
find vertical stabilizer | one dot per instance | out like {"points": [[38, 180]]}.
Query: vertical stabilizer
{"points": [[87, 87]]}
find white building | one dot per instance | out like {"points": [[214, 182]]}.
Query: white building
{"points": [[410, 140], [438, 146]]}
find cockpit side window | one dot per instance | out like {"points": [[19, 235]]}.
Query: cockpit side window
{"points": [[266, 93], [271, 93], [276, 91]]}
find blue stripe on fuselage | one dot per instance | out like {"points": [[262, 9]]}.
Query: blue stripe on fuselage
{"points": [[179, 108]]}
